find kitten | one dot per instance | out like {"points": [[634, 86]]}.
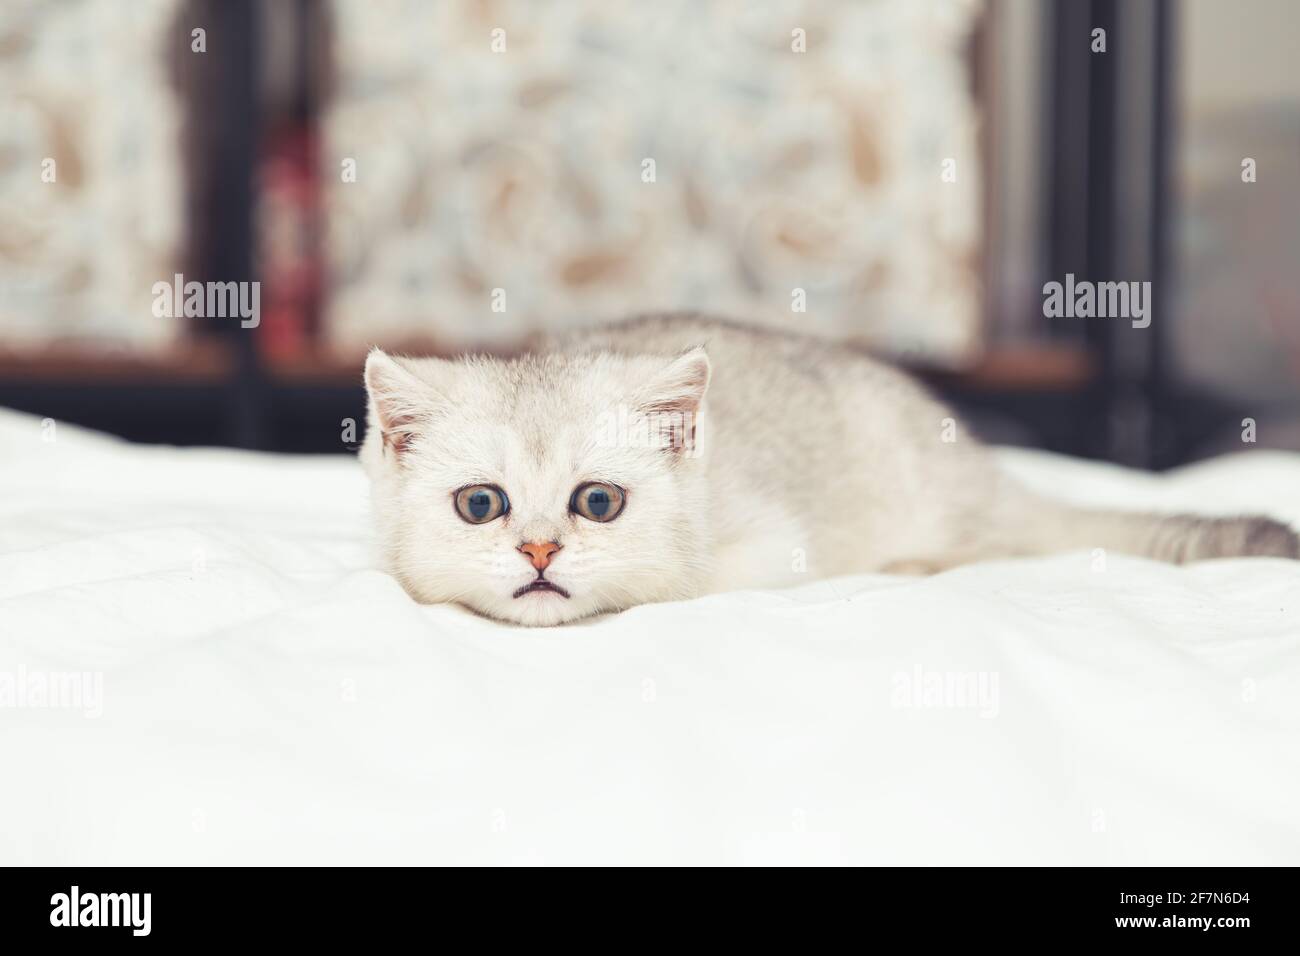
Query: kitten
{"points": [[674, 455]]}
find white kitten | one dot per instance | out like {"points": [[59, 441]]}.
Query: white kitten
{"points": [[674, 455]]}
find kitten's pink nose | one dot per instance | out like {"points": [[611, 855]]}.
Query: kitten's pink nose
{"points": [[539, 552]]}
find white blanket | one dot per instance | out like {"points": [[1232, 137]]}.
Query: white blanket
{"points": [[227, 679]]}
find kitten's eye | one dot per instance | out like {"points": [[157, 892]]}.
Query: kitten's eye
{"points": [[479, 504], [596, 501]]}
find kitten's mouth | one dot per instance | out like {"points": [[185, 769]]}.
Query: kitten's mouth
{"points": [[541, 584]]}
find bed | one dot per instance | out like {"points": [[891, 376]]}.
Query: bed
{"points": [[227, 679]]}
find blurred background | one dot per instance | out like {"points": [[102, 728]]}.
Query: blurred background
{"points": [[901, 175]]}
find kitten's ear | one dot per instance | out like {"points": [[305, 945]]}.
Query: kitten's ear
{"points": [[400, 400], [672, 399]]}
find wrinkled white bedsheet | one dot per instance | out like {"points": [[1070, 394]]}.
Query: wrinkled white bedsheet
{"points": [[265, 695]]}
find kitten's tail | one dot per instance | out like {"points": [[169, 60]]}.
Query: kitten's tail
{"points": [[1047, 527]]}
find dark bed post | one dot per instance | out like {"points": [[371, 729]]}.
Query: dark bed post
{"points": [[1109, 208], [1165, 453], [235, 113], [1142, 431], [1069, 155], [1102, 260]]}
